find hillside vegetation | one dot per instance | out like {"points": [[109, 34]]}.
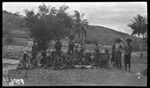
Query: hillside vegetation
{"points": [[101, 34]]}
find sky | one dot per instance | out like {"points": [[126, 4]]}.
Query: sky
{"points": [[114, 15]]}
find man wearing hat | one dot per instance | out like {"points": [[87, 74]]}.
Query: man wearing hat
{"points": [[117, 52]]}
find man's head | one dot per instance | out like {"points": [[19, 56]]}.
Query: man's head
{"points": [[96, 44], [128, 40], [106, 51], [25, 52], [71, 37], [76, 46]]}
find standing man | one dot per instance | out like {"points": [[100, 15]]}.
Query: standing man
{"points": [[113, 60], [96, 56], [127, 55], [58, 46], [71, 45], [118, 52], [34, 52], [76, 49], [82, 52]]}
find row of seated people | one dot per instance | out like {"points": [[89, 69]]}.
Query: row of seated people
{"points": [[63, 61], [56, 61]]}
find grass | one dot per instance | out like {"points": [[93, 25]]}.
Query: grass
{"points": [[85, 77], [69, 77]]}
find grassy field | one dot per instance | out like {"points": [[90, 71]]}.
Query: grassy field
{"points": [[84, 77]]}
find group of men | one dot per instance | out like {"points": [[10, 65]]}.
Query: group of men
{"points": [[119, 48], [78, 56]]}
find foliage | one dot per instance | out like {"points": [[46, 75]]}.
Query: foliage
{"points": [[16, 14], [6, 32], [9, 40], [138, 25], [48, 24], [4, 11]]}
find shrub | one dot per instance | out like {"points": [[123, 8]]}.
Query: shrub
{"points": [[9, 40]]}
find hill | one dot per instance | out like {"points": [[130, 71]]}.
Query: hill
{"points": [[11, 22], [101, 34], [106, 35]]}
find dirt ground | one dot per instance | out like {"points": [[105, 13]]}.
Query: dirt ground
{"points": [[84, 77]]}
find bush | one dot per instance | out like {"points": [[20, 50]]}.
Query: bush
{"points": [[135, 46], [9, 40]]}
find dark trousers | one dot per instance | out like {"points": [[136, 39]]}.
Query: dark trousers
{"points": [[58, 51], [127, 61], [118, 59]]}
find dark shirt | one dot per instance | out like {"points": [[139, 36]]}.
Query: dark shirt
{"points": [[97, 49], [25, 56], [71, 46], [128, 49], [58, 46]]}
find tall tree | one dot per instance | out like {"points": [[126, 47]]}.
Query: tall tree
{"points": [[48, 24], [139, 27], [80, 26]]}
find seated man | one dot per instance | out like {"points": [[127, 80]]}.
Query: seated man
{"points": [[43, 59], [49, 60], [57, 62], [76, 50], [88, 58], [24, 61]]}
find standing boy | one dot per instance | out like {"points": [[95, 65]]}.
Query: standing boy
{"points": [[127, 55]]}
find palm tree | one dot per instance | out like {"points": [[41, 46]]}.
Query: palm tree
{"points": [[80, 26], [139, 27]]}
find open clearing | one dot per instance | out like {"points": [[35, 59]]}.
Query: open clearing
{"points": [[83, 77]]}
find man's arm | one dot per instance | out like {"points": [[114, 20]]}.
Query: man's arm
{"points": [[130, 49]]}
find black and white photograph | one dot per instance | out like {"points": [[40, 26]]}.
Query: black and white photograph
{"points": [[74, 43]]}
